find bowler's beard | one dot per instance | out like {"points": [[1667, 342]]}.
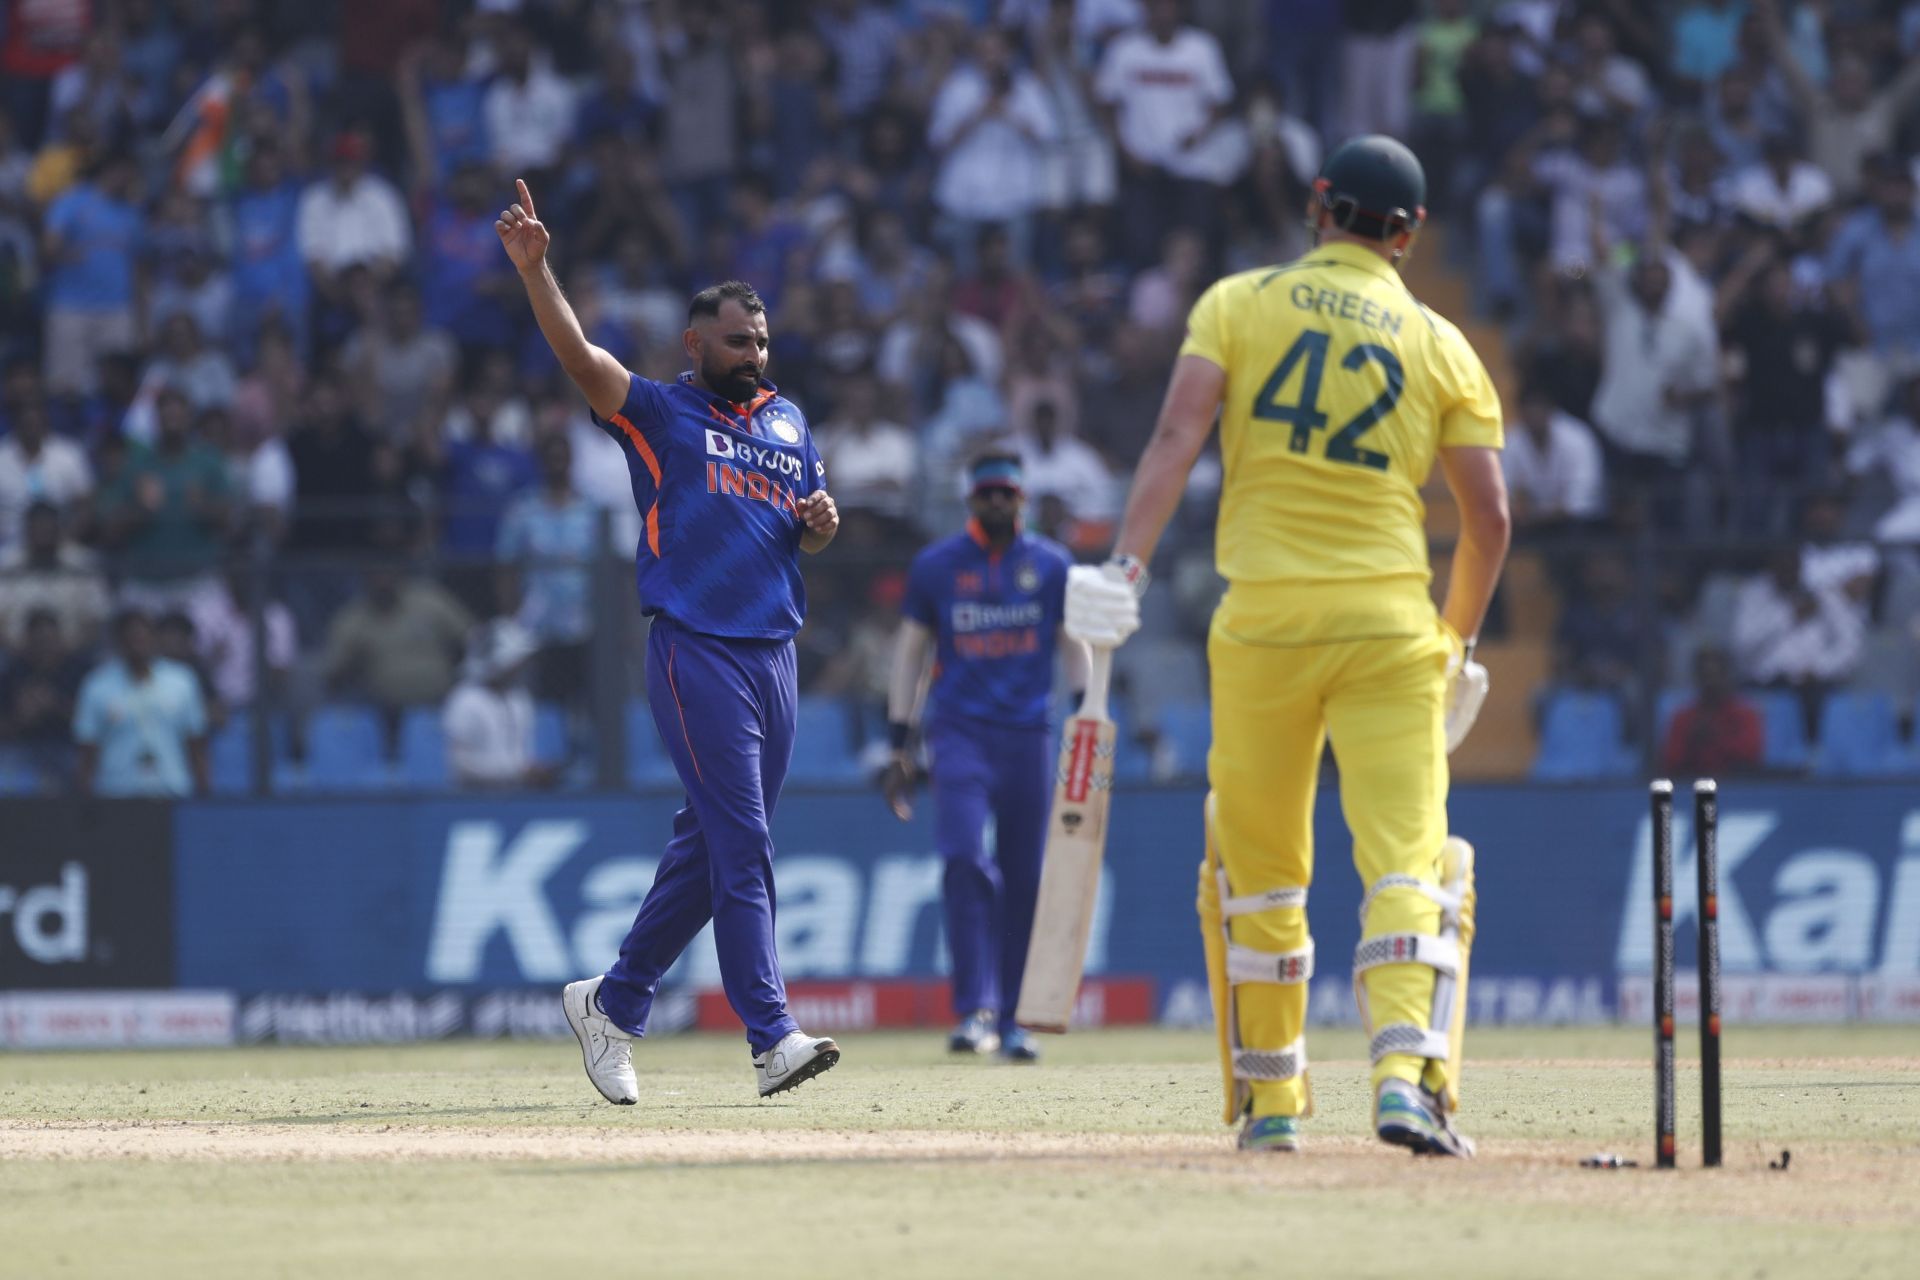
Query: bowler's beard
{"points": [[735, 382], [999, 528]]}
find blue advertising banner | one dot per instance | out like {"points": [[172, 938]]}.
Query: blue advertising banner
{"points": [[1820, 897]]}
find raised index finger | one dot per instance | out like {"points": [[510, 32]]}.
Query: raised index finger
{"points": [[526, 197]]}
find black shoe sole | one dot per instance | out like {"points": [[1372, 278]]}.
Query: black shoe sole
{"points": [[1418, 1143], [821, 1062]]}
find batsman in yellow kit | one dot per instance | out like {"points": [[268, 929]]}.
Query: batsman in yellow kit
{"points": [[1336, 393]]}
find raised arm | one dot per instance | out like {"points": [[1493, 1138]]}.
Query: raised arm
{"points": [[1806, 93], [600, 377]]}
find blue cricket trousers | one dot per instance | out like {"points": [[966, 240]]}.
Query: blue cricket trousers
{"points": [[725, 710], [981, 769]]}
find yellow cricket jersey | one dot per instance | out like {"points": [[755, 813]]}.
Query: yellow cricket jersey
{"points": [[1340, 389]]}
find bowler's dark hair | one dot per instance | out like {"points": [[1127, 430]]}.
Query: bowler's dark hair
{"points": [[709, 300]]}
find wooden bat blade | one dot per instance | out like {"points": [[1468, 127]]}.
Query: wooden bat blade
{"points": [[1069, 876]]}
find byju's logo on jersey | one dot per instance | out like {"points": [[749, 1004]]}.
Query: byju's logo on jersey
{"points": [[719, 444]]}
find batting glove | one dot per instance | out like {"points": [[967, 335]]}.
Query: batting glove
{"points": [[1467, 685], [1103, 605]]}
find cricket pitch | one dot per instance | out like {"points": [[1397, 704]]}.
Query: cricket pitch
{"points": [[488, 1159]]}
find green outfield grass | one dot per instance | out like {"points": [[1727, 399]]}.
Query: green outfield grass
{"points": [[481, 1160]]}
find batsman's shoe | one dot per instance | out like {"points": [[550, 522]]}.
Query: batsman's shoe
{"points": [[1408, 1116], [796, 1059], [1018, 1045], [608, 1050], [974, 1034], [1270, 1133]]}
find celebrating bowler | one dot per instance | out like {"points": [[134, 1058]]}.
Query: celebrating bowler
{"points": [[726, 476]]}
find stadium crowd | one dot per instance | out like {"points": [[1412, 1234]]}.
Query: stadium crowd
{"points": [[269, 381]]}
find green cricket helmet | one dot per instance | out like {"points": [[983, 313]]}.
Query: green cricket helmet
{"points": [[1373, 186]]}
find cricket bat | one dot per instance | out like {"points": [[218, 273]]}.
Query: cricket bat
{"points": [[1070, 866]]}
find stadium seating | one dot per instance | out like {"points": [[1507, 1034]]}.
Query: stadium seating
{"points": [[823, 746], [345, 752], [423, 751], [1860, 737], [648, 765], [1581, 736], [1188, 729]]}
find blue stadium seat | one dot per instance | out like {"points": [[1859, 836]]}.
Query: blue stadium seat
{"points": [[423, 751], [1784, 723], [823, 749], [17, 777], [550, 733], [1580, 738], [1859, 737], [1188, 727], [344, 750], [648, 765], [230, 756]]}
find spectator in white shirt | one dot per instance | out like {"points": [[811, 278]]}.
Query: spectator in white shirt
{"points": [[203, 374], [1169, 95], [1659, 371], [488, 718], [872, 460], [351, 218], [1894, 450], [222, 618], [38, 466], [1783, 190], [991, 126], [1553, 467], [1789, 632], [529, 110], [1059, 466]]}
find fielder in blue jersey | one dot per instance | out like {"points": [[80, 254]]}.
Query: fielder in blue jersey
{"points": [[730, 489], [987, 604]]}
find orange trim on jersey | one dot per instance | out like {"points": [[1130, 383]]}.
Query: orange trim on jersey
{"points": [[645, 450], [640, 446], [673, 651]]}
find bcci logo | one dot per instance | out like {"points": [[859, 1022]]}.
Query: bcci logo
{"points": [[783, 431], [1026, 577]]}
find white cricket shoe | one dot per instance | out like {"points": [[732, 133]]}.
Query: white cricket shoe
{"points": [[796, 1059], [607, 1049]]}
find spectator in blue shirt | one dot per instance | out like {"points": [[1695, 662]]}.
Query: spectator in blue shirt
{"points": [[548, 541], [1706, 39], [463, 277], [269, 275], [1875, 264], [442, 108], [141, 725], [93, 238]]}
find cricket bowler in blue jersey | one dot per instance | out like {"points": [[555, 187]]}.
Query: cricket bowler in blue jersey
{"points": [[987, 603], [729, 483]]}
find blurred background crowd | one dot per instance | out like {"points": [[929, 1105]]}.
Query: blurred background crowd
{"points": [[293, 495]]}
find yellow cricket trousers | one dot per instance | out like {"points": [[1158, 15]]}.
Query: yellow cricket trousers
{"points": [[1278, 695]]}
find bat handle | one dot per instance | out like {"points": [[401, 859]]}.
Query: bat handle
{"points": [[1093, 706]]}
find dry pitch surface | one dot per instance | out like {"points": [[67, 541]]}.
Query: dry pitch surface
{"points": [[480, 1160]]}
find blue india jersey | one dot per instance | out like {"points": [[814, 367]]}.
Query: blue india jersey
{"points": [[996, 621], [719, 487]]}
